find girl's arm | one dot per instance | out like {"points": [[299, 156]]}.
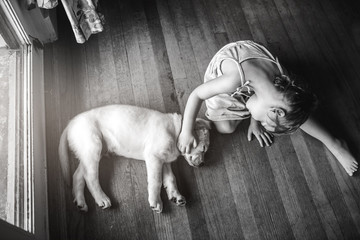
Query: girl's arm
{"points": [[186, 138], [226, 83]]}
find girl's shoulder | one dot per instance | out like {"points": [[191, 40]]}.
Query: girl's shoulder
{"points": [[242, 50], [230, 67]]}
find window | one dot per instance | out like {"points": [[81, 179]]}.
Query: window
{"points": [[22, 138], [15, 139]]}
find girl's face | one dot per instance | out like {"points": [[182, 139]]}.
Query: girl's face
{"points": [[263, 110]]}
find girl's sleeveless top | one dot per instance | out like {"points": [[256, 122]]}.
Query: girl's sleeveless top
{"points": [[231, 106]]}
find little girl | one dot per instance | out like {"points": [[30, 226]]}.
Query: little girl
{"points": [[244, 80]]}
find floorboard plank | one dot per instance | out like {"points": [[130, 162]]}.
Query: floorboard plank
{"points": [[132, 26], [326, 214], [232, 155]]}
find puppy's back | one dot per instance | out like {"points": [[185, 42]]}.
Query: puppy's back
{"points": [[130, 130]]}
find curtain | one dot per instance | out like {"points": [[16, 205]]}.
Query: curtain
{"points": [[82, 14]]}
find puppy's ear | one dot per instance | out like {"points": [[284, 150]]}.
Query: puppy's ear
{"points": [[202, 123]]}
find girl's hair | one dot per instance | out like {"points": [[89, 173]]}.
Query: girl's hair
{"points": [[300, 100]]}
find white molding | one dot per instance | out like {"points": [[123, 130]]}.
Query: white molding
{"points": [[39, 145], [32, 107], [14, 21], [12, 141]]}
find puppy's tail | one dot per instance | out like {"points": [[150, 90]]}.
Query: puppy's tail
{"points": [[64, 157]]}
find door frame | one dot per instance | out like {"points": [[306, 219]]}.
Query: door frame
{"points": [[32, 76]]}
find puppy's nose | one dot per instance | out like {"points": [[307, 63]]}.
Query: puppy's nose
{"points": [[201, 164]]}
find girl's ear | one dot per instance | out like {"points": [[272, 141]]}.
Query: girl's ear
{"points": [[202, 123], [279, 112]]}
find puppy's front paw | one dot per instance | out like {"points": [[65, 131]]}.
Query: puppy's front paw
{"points": [[175, 196], [81, 204], [156, 205], [179, 200]]}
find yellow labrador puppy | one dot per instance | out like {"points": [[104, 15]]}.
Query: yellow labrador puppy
{"points": [[132, 132]]}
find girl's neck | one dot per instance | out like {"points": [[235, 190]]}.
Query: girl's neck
{"points": [[261, 74]]}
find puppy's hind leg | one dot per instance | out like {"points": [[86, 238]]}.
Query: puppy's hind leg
{"points": [[154, 176], [171, 187], [78, 188], [93, 184], [89, 157]]}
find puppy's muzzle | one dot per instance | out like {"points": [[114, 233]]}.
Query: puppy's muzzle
{"points": [[195, 161]]}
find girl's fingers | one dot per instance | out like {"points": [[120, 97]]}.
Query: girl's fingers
{"points": [[188, 149], [265, 139], [249, 135], [269, 137], [194, 143], [260, 140]]}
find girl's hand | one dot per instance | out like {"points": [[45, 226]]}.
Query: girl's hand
{"points": [[186, 141], [260, 133]]}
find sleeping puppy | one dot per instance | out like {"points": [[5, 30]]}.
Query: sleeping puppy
{"points": [[132, 132]]}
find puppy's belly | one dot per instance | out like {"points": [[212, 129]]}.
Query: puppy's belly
{"points": [[130, 148], [128, 151], [135, 153]]}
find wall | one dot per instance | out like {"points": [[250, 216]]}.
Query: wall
{"points": [[38, 23]]}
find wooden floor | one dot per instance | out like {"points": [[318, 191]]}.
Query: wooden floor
{"points": [[152, 53]]}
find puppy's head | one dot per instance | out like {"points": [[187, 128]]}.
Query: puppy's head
{"points": [[202, 130]]}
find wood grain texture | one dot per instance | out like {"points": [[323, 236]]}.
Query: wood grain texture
{"points": [[153, 53]]}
